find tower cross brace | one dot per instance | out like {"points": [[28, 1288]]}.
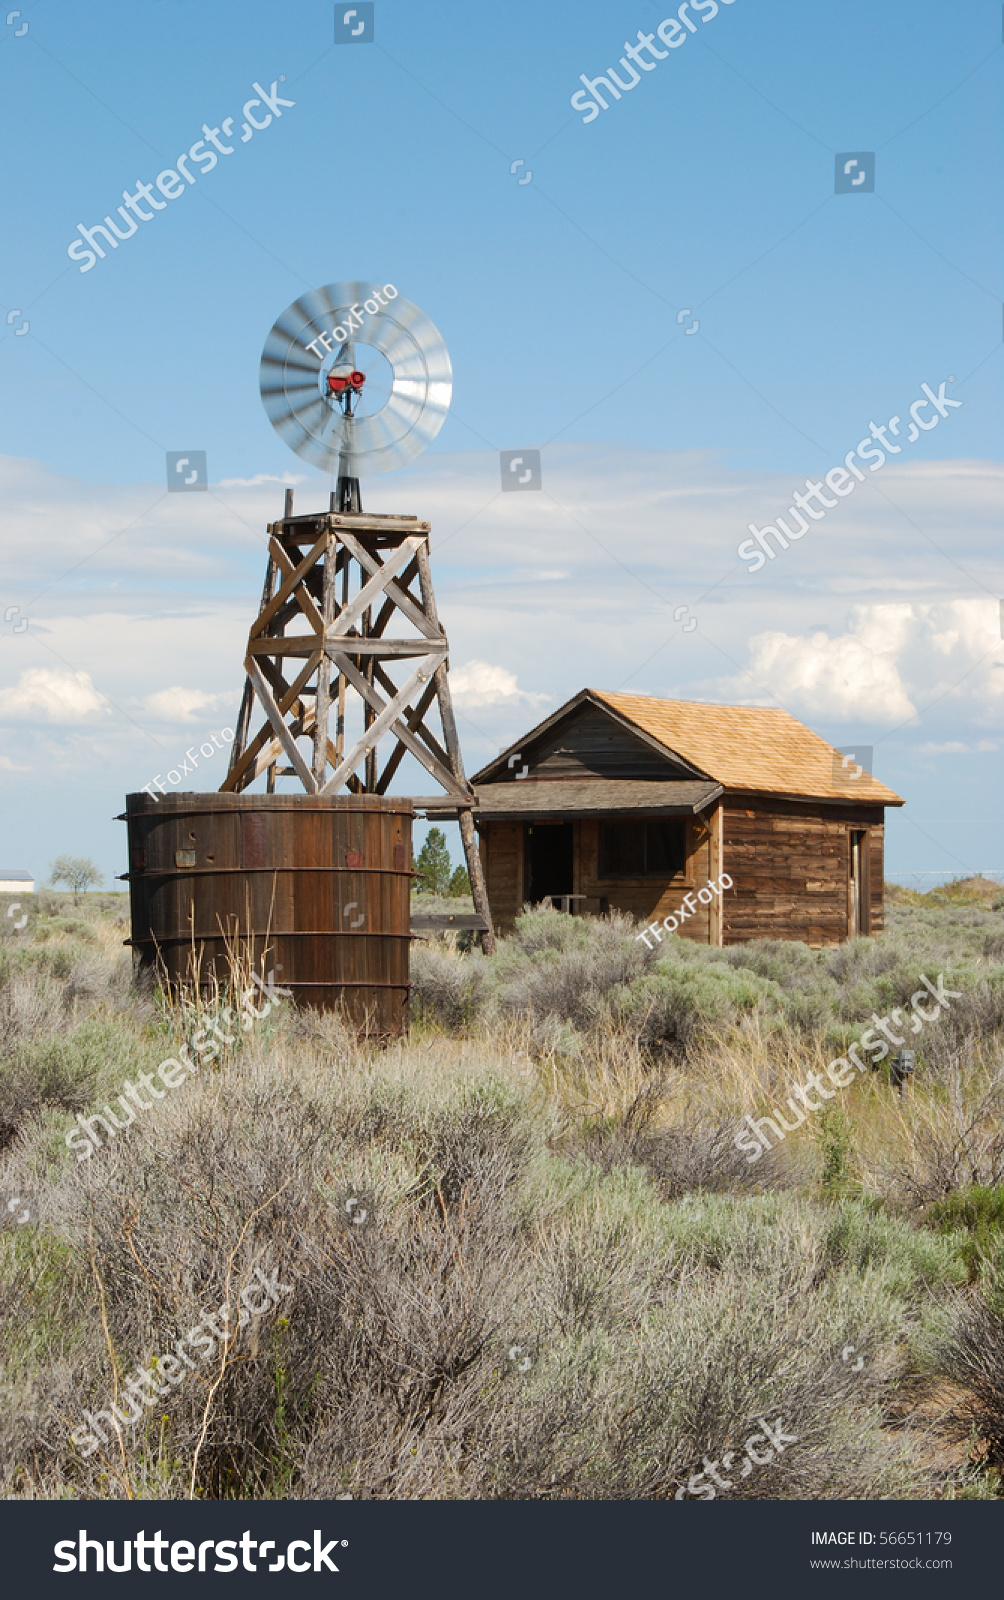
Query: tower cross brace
{"points": [[335, 583]]}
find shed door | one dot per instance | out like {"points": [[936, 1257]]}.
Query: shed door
{"points": [[547, 860], [859, 883]]}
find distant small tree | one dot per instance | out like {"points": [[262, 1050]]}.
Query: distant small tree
{"points": [[460, 883], [77, 872], [433, 864]]}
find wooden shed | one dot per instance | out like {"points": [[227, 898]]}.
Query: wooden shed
{"points": [[624, 802]]}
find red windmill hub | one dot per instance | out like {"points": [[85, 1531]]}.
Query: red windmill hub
{"points": [[338, 382]]}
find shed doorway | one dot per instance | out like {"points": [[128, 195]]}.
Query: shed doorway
{"points": [[547, 860], [859, 884]]}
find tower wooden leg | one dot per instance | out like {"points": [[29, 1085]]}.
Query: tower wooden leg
{"points": [[323, 699], [451, 739], [479, 889]]}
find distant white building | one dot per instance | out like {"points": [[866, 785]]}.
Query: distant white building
{"points": [[14, 881]]}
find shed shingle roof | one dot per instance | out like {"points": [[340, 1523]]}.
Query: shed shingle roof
{"points": [[753, 748]]}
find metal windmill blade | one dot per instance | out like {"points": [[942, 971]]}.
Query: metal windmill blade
{"points": [[308, 379]]}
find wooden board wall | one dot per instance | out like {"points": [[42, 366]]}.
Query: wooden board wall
{"points": [[593, 745], [648, 899], [791, 868], [876, 877], [502, 855]]}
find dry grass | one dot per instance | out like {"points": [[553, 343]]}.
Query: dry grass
{"points": [[568, 1283]]}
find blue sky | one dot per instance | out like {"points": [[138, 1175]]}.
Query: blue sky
{"points": [[707, 190]]}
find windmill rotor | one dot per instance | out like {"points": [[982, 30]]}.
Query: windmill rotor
{"points": [[313, 388]]}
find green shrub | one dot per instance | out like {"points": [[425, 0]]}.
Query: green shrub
{"points": [[79, 929], [833, 1135], [978, 1214], [979, 1210], [670, 1005]]}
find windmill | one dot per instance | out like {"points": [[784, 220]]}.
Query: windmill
{"points": [[345, 655]]}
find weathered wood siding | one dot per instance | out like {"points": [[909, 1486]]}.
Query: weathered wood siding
{"points": [[648, 899], [791, 869], [502, 855], [591, 745], [790, 865], [876, 870]]}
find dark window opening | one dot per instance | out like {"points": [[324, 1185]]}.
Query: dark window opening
{"points": [[547, 860], [656, 848]]}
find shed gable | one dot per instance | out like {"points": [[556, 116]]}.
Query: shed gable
{"points": [[590, 743]]}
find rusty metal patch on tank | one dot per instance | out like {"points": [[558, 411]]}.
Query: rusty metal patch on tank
{"points": [[253, 839]]}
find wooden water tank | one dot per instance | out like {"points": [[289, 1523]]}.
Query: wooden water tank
{"points": [[322, 883]]}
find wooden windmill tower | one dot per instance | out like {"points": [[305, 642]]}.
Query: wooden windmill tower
{"points": [[347, 661]]}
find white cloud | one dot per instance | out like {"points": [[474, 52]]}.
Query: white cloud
{"points": [[49, 695], [180, 705], [477, 685], [878, 671], [7, 765], [958, 747], [851, 629], [844, 678], [290, 478]]}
